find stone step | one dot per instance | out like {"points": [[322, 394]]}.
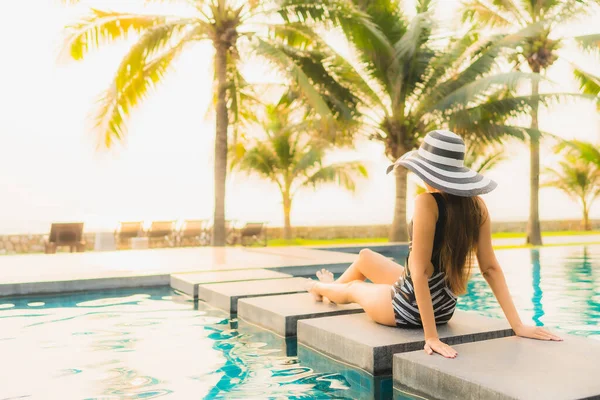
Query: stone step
{"points": [[507, 368], [188, 282], [280, 314], [226, 295], [356, 340]]}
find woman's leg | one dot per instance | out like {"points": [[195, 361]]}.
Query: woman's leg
{"points": [[375, 299], [374, 267]]}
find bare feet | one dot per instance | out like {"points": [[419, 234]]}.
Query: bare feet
{"points": [[325, 276], [310, 288]]}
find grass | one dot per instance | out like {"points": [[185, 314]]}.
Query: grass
{"points": [[498, 235], [510, 235], [324, 242], [528, 246]]}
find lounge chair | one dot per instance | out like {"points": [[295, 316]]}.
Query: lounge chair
{"points": [[65, 234], [194, 231], [128, 230], [231, 234], [162, 230], [252, 233]]}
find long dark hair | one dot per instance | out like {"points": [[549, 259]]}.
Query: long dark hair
{"points": [[464, 216]]}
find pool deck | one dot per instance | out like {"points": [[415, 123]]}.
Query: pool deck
{"points": [[65, 272]]}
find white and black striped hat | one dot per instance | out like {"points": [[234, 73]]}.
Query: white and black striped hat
{"points": [[440, 163]]}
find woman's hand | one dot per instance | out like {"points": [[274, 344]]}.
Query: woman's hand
{"points": [[437, 346], [536, 332]]}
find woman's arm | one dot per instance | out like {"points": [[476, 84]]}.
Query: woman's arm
{"points": [[492, 272], [424, 220]]}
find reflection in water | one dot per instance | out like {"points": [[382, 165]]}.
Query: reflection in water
{"points": [[154, 344], [258, 370], [536, 278], [568, 299]]}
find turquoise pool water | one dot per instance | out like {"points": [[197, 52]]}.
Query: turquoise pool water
{"points": [[153, 343], [556, 287]]}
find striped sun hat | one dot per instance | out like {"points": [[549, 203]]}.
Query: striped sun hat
{"points": [[440, 163]]}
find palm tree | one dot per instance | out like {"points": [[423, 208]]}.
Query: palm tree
{"points": [[277, 31], [579, 178], [539, 53], [292, 156], [422, 81]]}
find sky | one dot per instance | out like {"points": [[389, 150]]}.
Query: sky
{"points": [[51, 170]]}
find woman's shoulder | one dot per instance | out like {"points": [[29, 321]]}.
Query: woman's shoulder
{"points": [[483, 207], [426, 202]]}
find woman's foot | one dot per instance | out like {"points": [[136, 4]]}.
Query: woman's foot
{"points": [[310, 288], [325, 276]]}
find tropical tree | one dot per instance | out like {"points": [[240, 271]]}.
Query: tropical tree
{"points": [[422, 80], [579, 178], [292, 156], [276, 31], [539, 52]]}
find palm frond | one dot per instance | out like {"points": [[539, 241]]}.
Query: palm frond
{"points": [[151, 42], [589, 42], [308, 159], [276, 54], [482, 120], [105, 26], [341, 173], [355, 23], [584, 150], [588, 83], [476, 61], [476, 91], [260, 159], [482, 159], [376, 54], [130, 86], [293, 34], [488, 14]]}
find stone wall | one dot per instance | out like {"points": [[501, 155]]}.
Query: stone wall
{"points": [[34, 243], [378, 231]]}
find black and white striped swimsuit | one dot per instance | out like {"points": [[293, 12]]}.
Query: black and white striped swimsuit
{"points": [[403, 294]]}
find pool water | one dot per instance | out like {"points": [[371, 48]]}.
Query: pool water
{"points": [[556, 287], [152, 343]]}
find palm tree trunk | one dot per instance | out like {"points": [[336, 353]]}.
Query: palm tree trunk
{"points": [[398, 231], [219, 234], [287, 209], [586, 217], [534, 234]]}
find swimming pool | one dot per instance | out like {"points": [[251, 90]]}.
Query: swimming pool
{"points": [[152, 343], [556, 287]]}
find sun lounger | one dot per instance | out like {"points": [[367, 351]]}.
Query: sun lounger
{"points": [[128, 230], [162, 230], [195, 232], [65, 234], [252, 233]]}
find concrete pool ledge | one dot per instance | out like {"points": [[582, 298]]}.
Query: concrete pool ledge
{"points": [[280, 314], [506, 368], [188, 282], [82, 284], [356, 340], [226, 295]]}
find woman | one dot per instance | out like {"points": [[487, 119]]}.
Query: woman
{"points": [[450, 225]]}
